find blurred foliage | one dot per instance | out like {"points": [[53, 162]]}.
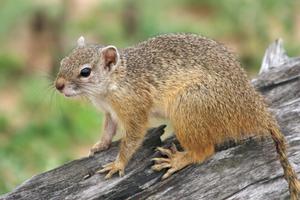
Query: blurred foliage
{"points": [[11, 11], [11, 66], [40, 129]]}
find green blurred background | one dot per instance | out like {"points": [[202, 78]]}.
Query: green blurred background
{"points": [[40, 129]]}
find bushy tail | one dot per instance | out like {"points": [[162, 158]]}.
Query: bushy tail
{"points": [[289, 173]]}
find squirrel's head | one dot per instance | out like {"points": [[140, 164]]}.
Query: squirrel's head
{"points": [[87, 70]]}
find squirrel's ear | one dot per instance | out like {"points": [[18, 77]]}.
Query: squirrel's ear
{"points": [[110, 56], [80, 42]]}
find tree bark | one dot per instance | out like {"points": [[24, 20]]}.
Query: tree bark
{"points": [[248, 170]]}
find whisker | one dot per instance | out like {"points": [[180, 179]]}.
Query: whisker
{"points": [[53, 94]]}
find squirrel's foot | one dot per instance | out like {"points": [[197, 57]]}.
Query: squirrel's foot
{"points": [[113, 168], [176, 160], [98, 147]]}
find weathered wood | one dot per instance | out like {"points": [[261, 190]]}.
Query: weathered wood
{"points": [[249, 170]]}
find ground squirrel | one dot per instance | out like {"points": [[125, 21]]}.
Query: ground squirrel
{"points": [[193, 81]]}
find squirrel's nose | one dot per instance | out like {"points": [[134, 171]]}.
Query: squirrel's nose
{"points": [[60, 84]]}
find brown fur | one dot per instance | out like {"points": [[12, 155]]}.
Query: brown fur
{"points": [[195, 82]]}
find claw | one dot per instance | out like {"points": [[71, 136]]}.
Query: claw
{"points": [[160, 160], [176, 160], [159, 167], [174, 148], [112, 168], [110, 173], [98, 147], [169, 173], [121, 173], [162, 163], [108, 165], [163, 151], [102, 170]]}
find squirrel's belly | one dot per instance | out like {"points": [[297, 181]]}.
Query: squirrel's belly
{"points": [[158, 113]]}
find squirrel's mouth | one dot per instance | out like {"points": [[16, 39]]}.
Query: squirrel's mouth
{"points": [[70, 95], [69, 92]]}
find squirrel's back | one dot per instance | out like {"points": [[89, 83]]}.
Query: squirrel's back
{"points": [[171, 53]]}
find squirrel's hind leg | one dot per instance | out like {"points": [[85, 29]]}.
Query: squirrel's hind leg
{"points": [[191, 121], [177, 160]]}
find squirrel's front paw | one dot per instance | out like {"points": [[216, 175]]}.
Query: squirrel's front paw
{"points": [[113, 168], [99, 146]]}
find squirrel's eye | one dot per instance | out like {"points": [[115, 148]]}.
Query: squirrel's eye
{"points": [[85, 72]]}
